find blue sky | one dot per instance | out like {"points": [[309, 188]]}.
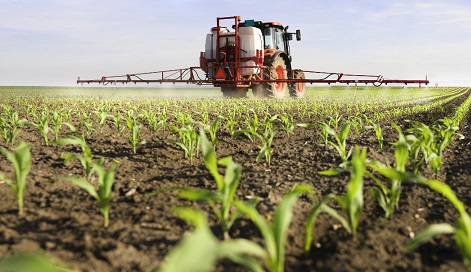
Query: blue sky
{"points": [[51, 42]]}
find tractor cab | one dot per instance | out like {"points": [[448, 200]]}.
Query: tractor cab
{"points": [[275, 36]]}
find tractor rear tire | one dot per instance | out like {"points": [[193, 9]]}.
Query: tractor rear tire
{"points": [[276, 70], [234, 92], [297, 89]]}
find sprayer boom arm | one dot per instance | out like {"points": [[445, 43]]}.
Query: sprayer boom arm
{"points": [[196, 75]]}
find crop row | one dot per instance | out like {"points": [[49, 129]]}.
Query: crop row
{"points": [[419, 145]]}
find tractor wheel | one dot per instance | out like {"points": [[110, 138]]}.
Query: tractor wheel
{"points": [[234, 92], [259, 91], [276, 70], [297, 89]]}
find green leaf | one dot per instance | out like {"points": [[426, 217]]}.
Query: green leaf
{"points": [[83, 184], [282, 219], [262, 225], [197, 252], [306, 125], [311, 219], [210, 160], [344, 131], [332, 172], [235, 247], [31, 263], [428, 234], [198, 195], [447, 192]]}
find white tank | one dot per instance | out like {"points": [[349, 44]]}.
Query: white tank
{"points": [[210, 45], [251, 40]]}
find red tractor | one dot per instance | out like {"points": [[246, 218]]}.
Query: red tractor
{"points": [[253, 55]]}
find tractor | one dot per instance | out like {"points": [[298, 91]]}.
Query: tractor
{"points": [[254, 55]]}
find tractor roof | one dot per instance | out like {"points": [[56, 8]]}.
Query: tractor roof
{"points": [[260, 24]]}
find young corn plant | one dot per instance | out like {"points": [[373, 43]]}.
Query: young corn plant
{"points": [[446, 129], [189, 140], [227, 185], [231, 122], [266, 139], [57, 122], [43, 126], [10, 127], [461, 230], [430, 142], [251, 130], [135, 132], [212, 129], [200, 250], [85, 159], [88, 123], [388, 197], [105, 184], [230, 126], [287, 123], [102, 115], [351, 203], [275, 232], [340, 143], [378, 132], [21, 160]]}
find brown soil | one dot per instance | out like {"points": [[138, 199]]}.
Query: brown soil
{"points": [[63, 220]]}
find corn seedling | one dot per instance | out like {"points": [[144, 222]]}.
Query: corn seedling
{"points": [[351, 203], [227, 186], [21, 160], [430, 144], [200, 250], [461, 230], [43, 127], [287, 123], [212, 128], [340, 143], [57, 122], [388, 197], [231, 122], [117, 121], [266, 148], [103, 194], [88, 123], [251, 130], [135, 131], [86, 158], [378, 132], [230, 126], [189, 140], [102, 115], [10, 127], [275, 232]]}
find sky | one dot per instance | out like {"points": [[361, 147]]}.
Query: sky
{"points": [[52, 42]]}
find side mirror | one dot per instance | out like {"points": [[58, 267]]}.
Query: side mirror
{"points": [[298, 35]]}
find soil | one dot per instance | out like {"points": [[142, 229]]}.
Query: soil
{"points": [[64, 221]]}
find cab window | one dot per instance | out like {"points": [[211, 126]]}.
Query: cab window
{"points": [[270, 42], [280, 43]]}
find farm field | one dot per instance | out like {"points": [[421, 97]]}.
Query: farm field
{"points": [[152, 139]]}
